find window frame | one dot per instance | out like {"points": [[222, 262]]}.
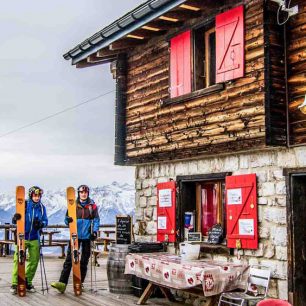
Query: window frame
{"points": [[202, 178], [208, 24]]}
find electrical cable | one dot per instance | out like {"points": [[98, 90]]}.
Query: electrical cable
{"points": [[55, 114]]}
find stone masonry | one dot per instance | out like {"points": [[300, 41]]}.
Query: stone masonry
{"points": [[268, 166]]}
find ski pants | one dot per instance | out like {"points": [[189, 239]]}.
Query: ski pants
{"points": [[32, 247], [85, 245]]}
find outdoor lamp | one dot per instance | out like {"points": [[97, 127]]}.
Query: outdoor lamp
{"points": [[302, 107]]}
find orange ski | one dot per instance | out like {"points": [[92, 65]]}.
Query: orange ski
{"points": [[20, 209], [72, 209]]}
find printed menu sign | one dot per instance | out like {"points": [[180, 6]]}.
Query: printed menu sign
{"points": [[165, 198], [234, 196], [246, 227], [123, 229]]}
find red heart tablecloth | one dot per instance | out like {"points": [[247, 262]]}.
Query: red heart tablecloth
{"points": [[172, 271]]}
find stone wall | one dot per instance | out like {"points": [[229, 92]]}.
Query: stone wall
{"points": [[268, 166]]}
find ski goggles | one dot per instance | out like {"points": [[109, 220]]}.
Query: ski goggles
{"points": [[36, 191], [83, 188]]}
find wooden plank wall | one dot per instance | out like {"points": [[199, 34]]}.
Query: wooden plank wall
{"points": [[229, 120], [275, 100], [297, 73]]}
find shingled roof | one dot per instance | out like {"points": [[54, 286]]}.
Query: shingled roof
{"points": [[122, 27]]}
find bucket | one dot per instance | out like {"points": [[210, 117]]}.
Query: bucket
{"points": [[189, 251], [118, 282]]}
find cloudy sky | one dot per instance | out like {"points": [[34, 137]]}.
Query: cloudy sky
{"points": [[35, 81]]}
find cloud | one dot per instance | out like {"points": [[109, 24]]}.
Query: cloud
{"points": [[35, 81], [54, 171]]}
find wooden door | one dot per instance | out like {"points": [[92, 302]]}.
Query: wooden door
{"points": [[297, 233]]}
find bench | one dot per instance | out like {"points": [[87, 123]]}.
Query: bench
{"points": [[104, 241], [4, 243], [62, 245], [96, 253]]}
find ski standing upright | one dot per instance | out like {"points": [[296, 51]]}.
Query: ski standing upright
{"points": [[20, 234], [72, 212]]}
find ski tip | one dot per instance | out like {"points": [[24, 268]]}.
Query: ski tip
{"points": [[70, 189], [20, 189]]}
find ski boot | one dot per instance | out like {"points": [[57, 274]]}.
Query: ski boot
{"points": [[13, 289], [30, 287], [60, 287]]}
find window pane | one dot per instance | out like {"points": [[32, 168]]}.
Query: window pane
{"points": [[212, 50], [210, 204]]}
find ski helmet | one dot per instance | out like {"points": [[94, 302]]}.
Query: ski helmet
{"points": [[83, 188], [35, 190]]}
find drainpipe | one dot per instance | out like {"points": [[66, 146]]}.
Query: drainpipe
{"points": [[286, 85], [120, 110]]}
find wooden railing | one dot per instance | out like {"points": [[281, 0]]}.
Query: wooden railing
{"points": [[9, 236]]}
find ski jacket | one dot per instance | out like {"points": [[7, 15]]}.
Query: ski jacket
{"points": [[34, 211], [87, 215]]}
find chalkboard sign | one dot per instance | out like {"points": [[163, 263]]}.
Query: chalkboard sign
{"points": [[123, 229], [215, 234], [194, 236]]}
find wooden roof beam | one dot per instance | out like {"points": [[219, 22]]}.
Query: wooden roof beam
{"points": [[84, 63], [142, 33], [204, 5], [105, 52], [180, 14], [190, 7], [93, 58], [164, 25], [126, 43]]}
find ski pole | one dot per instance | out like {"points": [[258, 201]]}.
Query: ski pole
{"points": [[40, 265], [91, 244], [43, 262]]}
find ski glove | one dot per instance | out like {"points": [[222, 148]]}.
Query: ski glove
{"points": [[38, 224], [69, 219], [93, 236], [16, 217]]}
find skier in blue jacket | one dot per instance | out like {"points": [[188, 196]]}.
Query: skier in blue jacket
{"points": [[88, 223], [35, 220]]}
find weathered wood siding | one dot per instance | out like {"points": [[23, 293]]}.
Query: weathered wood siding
{"points": [[297, 73], [275, 89], [229, 120]]}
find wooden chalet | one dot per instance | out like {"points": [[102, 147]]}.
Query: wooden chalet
{"points": [[210, 109]]}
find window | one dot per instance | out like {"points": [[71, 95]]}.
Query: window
{"points": [[203, 61], [205, 200], [204, 58], [210, 206]]}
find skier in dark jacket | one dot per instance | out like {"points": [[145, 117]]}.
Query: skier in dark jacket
{"points": [[88, 222], [35, 220]]}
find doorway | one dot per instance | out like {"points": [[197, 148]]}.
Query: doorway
{"points": [[296, 208]]}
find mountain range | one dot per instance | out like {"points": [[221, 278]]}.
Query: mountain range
{"points": [[112, 199]]}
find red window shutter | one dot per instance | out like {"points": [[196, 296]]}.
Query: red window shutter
{"points": [[230, 45], [180, 65], [166, 211], [241, 211]]}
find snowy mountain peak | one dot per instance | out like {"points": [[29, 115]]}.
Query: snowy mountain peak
{"points": [[111, 200]]}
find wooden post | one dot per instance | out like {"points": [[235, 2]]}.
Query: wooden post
{"points": [[146, 294], [7, 237]]}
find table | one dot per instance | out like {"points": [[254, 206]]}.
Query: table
{"points": [[170, 271], [51, 243], [50, 234], [106, 232]]}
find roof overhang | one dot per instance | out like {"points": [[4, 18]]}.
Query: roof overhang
{"points": [[128, 28]]}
